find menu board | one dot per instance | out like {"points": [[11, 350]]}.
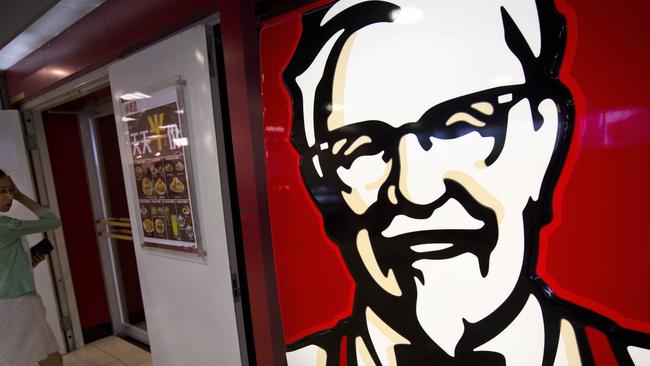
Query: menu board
{"points": [[160, 155]]}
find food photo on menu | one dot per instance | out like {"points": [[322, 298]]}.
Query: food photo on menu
{"points": [[171, 218], [169, 167], [147, 222], [147, 187], [158, 217], [184, 220], [143, 179], [158, 178], [148, 227], [160, 187], [179, 167], [176, 177], [177, 185]]}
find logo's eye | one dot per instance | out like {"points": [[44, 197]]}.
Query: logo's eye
{"points": [[464, 117], [346, 150], [359, 141], [338, 145], [484, 107]]}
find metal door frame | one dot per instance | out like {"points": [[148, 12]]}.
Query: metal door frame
{"points": [[44, 182], [108, 250]]}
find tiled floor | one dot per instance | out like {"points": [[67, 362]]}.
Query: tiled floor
{"points": [[111, 351]]}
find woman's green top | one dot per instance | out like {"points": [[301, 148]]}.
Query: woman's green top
{"points": [[16, 277]]}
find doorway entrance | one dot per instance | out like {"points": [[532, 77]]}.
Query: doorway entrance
{"points": [[84, 155]]}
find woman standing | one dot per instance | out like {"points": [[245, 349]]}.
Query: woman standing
{"points": [[25, 336]]}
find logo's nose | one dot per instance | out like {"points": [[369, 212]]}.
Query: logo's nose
{"points": [[421, 174]]}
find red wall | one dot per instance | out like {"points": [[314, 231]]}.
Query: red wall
{"points": [[597, 246], [66, 156], [114, 29]]}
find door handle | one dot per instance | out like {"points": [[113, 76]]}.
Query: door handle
{"points": [[107, 234], [117, 222]]}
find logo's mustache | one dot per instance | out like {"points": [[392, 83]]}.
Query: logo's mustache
{"points": [[479, 241], [451, 215]]}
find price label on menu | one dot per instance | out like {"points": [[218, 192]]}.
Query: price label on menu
{"points": [[158, 150]]}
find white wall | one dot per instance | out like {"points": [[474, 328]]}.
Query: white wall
{"points": [[14, 161], [189, 306]]}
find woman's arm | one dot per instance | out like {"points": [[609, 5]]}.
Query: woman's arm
{"points": [[46, 217], [27, 202], [17, 228]]}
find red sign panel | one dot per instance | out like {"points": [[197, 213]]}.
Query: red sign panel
{"points": [[416, 150]]}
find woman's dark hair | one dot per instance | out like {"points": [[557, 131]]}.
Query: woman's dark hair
{"points": [[2, 173]]}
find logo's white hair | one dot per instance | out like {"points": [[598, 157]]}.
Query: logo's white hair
{"points": [[523, 12]]}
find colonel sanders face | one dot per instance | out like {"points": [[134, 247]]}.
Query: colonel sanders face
{"points": [[431, 137]]}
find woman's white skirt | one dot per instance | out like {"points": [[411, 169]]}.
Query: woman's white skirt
{"points": [[25, 336]]}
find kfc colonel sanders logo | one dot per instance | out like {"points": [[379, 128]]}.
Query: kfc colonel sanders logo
{"points": [[431, 136]]}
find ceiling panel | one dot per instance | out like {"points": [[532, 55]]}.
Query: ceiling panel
{"points": [[16, 16]]}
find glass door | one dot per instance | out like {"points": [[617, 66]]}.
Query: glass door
{"points": [[113, 223]]}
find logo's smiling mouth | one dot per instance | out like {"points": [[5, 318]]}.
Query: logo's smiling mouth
{"points": [[430, 247], [456, 224]]}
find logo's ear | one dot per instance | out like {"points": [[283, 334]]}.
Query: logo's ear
{"points": [[552, 104], [545, 144]]}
